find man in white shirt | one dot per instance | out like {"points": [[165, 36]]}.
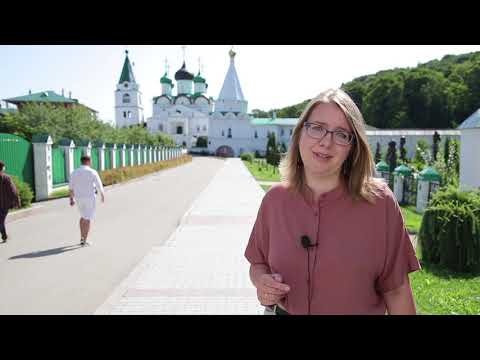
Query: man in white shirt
{"points": [[84, 183]]}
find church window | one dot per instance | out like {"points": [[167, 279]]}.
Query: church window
{"points": [[256, 134], [229, 133], [223, 133], [179, 130], [124, 114], [129, 114], [126, 98]]}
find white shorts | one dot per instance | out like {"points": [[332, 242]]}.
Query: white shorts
{"points": [[87, 207]]}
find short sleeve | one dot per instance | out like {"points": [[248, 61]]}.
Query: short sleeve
{"points": [[400, 258], [257, 248], [98, 182]]}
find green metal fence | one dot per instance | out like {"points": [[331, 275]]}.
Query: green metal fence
{"points": [[118, 158], [127, 158], [17, 154], [142, 157], [108, 159], [94, 157], [77, 155], [58, 164]]}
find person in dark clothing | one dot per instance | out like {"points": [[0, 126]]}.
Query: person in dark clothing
{"points": [[8, 199]]}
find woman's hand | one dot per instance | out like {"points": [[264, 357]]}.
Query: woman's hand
{"points": [[270, 289]]}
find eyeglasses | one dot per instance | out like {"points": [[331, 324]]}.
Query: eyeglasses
{"points": [[340, 137]]}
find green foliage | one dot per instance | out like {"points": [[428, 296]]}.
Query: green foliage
{"points": [[435, 95], [115, 176], [77, 124], [24, 192], [202, 142], [247, 157], [450, 230], [422, 156], [448, 163], [273, 151]]}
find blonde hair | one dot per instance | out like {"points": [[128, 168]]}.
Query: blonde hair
{"points": [[357, 170]]}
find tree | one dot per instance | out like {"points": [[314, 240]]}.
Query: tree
{"points": [[391, 157], [273, 153]]}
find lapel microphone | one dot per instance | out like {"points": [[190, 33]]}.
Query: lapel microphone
{"points": [[306, 243]]}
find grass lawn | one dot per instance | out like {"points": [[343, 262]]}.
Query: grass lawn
{"points": [[262, 171], [266, 187], [413, 220], [59, 194], [438, 291]]}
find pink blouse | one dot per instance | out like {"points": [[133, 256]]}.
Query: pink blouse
{"points": [[362, 250]]}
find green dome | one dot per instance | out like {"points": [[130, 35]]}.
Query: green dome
{"points": [[199, 79], [382, 166], [429, 174], [165, 80], [403, 170]]}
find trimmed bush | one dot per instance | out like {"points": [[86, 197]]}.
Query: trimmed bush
{"points": [[247, 157], [118, 175], [450, 231], [24, 191]]}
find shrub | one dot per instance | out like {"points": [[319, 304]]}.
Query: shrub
{"points": [[202, 142], [24, 191], [450, 230], [247, 157], [115, 176]]}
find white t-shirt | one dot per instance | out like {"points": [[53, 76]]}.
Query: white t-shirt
{"points": [[83, 182]]}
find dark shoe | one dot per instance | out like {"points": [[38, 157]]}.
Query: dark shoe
{"points": [[82, 242], [4, 237]]}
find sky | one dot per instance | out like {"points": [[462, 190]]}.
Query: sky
{"points": [[271, 76]]}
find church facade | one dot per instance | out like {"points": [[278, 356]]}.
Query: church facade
{"points": [[189, 114]]}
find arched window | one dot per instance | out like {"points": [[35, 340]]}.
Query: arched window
{"points": [[229, 133], [126, 98], [256, 134], [223, 133], [179, 130]]}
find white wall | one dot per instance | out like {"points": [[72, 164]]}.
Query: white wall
{"points": [[469, 159]]}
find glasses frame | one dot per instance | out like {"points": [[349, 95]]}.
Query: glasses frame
{"points": [[308, 125]]}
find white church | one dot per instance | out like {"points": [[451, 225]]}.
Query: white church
{"points": [[225, 122]]}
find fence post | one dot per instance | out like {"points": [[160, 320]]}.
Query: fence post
{"points": [[123, 154], [68, 147], [112, 152], [42, 157], [101, 154]]}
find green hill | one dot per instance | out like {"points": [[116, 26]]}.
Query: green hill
{"points": [[439, 94]]}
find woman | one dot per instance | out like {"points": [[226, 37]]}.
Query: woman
{"points": [[330, 239]]}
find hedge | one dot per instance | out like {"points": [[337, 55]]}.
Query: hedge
{"points": [[450, 231], [24, 191], [118, 175]]}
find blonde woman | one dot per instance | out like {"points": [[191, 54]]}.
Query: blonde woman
{"points": [[330, 239]]}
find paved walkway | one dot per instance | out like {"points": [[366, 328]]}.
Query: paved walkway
{"points": [[201, 268], [43, 270]]}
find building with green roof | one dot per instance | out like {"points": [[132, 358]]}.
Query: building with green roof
{"points": [[46, 97]]}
